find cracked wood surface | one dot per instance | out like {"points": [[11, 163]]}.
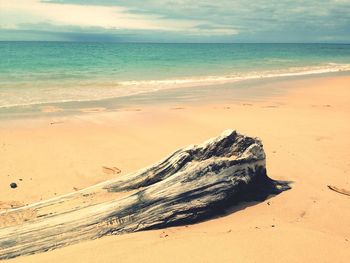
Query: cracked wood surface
{"points": [[191, 184]]}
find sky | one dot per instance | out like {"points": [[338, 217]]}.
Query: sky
{"points": [[224, 21]]}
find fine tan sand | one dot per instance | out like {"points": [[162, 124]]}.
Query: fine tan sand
{"points": [[305, 131], [48, 109]]}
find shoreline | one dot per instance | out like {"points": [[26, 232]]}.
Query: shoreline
{"points": [[303, 125], [241, 90]]}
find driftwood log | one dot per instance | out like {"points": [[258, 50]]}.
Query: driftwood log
{"points": [[189, 185]]}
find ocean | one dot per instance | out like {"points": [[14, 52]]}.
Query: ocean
{"points": [[38, 73]]}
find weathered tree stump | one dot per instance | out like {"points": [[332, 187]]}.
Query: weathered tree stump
{"points": [[191, 184]]}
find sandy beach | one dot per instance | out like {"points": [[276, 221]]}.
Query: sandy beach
{"points": [[305, 131]]}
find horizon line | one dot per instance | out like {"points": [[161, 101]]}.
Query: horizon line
{"points": [[141, 42]]}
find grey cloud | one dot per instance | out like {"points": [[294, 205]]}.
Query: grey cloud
{"points": [[256, 21]]}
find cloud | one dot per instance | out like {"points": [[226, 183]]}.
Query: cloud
{"points": [[16, 13], [184, 20]]}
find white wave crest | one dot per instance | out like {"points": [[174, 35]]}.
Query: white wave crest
{"points": [[105, 90]]}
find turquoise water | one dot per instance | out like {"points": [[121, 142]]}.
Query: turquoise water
{"points": [[50, 72]]}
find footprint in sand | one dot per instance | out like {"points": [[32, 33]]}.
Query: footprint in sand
{"points": [[50, 109], [270, 106], [177, 108], [92, 110], [132, 109], [325, 105], [111, 170], [322, 138]]}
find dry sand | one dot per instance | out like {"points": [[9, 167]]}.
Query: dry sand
{"points": [[306, 137]]}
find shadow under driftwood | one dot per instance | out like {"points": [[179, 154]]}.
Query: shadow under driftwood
{"points": [[261, 188], [192, 184]]}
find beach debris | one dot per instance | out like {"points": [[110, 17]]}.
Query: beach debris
{"points": [[163, 235], [111, 170], [338, 190], [193, 183], [56, 122], [13, 185]]}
